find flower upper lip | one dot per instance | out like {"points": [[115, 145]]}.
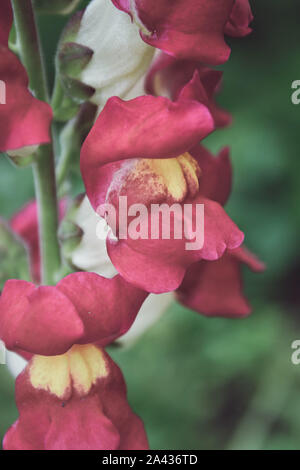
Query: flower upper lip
{"points": [[190, 29]]}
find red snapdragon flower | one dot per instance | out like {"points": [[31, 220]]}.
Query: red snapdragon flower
{"points": [[82, 308], [24, 120], [190, 29], [75, 401], [147, 150], [174, 77]]}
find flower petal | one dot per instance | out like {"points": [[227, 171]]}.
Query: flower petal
{"points": [[107, 307], [187, 79], [192, 29], [158, 265], [216, 180], [24, 120], [240, 18], [40, 320], [6, 19], [100, 420], [145, 127], [224, 276], [81, 427]]}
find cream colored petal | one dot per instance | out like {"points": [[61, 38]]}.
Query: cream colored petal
{"points": [[120, 57]]}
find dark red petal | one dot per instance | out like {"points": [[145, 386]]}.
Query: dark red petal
{"points": [[145, 127], [24, 120], [240, 18], [158, 265], [245, 256], [113, 396], [40, 320], [81, 426], [192, 29], [107, 307], [6, 19], [215, 289], [122, 5], [224, 276], [187, 79], [216, 177]]}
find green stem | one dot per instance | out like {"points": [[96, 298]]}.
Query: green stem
{"points": [[30, 47], [68, 148], [45, 189], [58, 93], [43, 168]]}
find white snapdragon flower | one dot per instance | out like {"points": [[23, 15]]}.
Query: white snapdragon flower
{"points": [[120, 56]]}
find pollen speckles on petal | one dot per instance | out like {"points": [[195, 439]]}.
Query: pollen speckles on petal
{"points": [[78, 369], [158, 180]]}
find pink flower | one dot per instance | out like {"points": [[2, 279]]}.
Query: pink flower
{"points": [[24, 120], [82, 308], [190, 79], [216, 288], [146, 149], [75, 401], [190, 29]]}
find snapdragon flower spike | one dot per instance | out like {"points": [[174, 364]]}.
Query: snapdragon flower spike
{"points": [[82, 308], [224, 276], [146, 149], [189, 29], [171, 77], [24, 120], [75, 401]]}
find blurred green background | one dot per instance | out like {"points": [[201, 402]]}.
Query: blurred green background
{"points": [[202, 383]]}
